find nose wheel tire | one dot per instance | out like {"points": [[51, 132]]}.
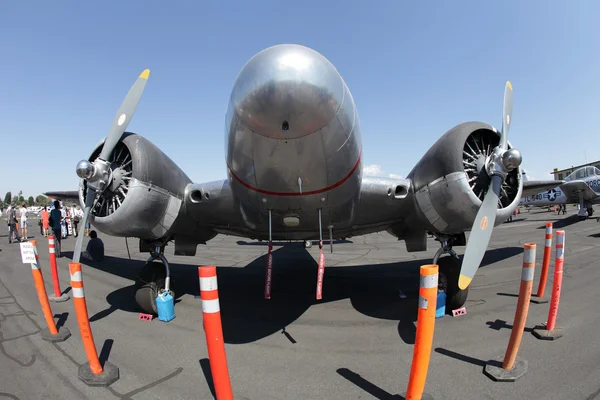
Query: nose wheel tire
{"points": [[449, 270], [148, 284]]}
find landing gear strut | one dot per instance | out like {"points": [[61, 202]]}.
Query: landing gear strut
{"points": [[449, 272], [152, 280]]}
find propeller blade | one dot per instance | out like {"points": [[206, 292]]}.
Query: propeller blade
{"points": [[124, 114], [506, 114], [481, 232], [89, 203]]}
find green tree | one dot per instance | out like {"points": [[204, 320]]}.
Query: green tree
{"points": [[30, 201], [8, 197], [21, 200], [42, 201]]}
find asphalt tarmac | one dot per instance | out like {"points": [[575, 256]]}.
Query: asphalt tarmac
{"points": [[356, 344]]}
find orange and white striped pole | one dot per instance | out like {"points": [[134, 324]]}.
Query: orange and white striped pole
{"points": [[91, 373], [545, 266], [552, 332], [512, 367], [58, 296], [516, 334], [50, 334], [321, 268], [269, 272], [425, 325], [211, 313], [320, 272], [269, 266]]}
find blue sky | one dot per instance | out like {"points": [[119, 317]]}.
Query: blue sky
{"points": [[415, 69]]}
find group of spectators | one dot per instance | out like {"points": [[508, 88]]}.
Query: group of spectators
{"points": [[69, 221], [56, 220], [17, 217]]}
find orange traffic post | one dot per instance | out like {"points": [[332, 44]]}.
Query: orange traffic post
{"points": [[428, 291], [58, 296], [320, 272], [211, 314], [539, 298], [51, 334], [91, 373], [551, 331], [513, 367], [269, 266], [269, 272]]}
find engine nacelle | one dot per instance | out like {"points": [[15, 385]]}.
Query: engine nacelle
{"points": [[145, 192], [450, 180]]}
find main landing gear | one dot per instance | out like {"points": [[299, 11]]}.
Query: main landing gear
{"points": [[449, 272], [153, 279]]}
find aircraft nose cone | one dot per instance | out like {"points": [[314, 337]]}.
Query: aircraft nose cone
{"points": [[286, 92], [511, 159]]}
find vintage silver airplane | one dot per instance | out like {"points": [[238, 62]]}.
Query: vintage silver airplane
{"points": [[581, 187], [294, 162]]}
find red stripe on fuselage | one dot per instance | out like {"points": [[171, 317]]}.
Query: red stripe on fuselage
{"points": [[328, 188]]}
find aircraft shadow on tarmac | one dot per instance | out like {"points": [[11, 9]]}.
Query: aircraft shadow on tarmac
{"points": [[290, 244], [561, 223], [247, 317]]}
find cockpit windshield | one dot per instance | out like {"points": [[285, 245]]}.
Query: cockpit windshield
{"points": [[583, 172]]}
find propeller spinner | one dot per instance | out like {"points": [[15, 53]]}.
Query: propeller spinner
{"points": [[498, 165], [97, 173]]}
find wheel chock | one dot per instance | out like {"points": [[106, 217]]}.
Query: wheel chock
{"points": [[145, 317], [459, 311]]}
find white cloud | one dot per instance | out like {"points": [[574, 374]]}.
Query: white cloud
{"points": [[372, 170], [375, 170]]}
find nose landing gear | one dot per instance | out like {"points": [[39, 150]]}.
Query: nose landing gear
{"points": [[153, 279], [449, 272]]}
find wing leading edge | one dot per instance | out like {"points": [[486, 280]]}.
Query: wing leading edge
{"points": [[575, 190]]}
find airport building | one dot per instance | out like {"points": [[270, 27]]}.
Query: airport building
{"points": [[563, 173]]}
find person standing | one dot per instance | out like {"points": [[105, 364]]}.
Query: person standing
{"points": [[8, 219], [23, 213], [45, 221], [55, 225], [12, 224], [76, 219], [63, 221]]}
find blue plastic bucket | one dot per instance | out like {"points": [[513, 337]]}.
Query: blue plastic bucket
{"points": [[165, 304], [440, 309]]}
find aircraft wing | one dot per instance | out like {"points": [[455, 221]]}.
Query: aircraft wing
{"points": [[69, 195], [574, 189], [533, 187]]}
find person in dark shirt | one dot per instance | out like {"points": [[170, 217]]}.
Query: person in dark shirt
{"points": [[55, 218], [95, 248], [12, 225]]}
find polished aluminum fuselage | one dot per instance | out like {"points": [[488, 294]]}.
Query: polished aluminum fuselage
{"points": [[293, 143]]}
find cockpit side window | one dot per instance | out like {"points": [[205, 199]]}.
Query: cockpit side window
{"points": [[589, 171]]}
